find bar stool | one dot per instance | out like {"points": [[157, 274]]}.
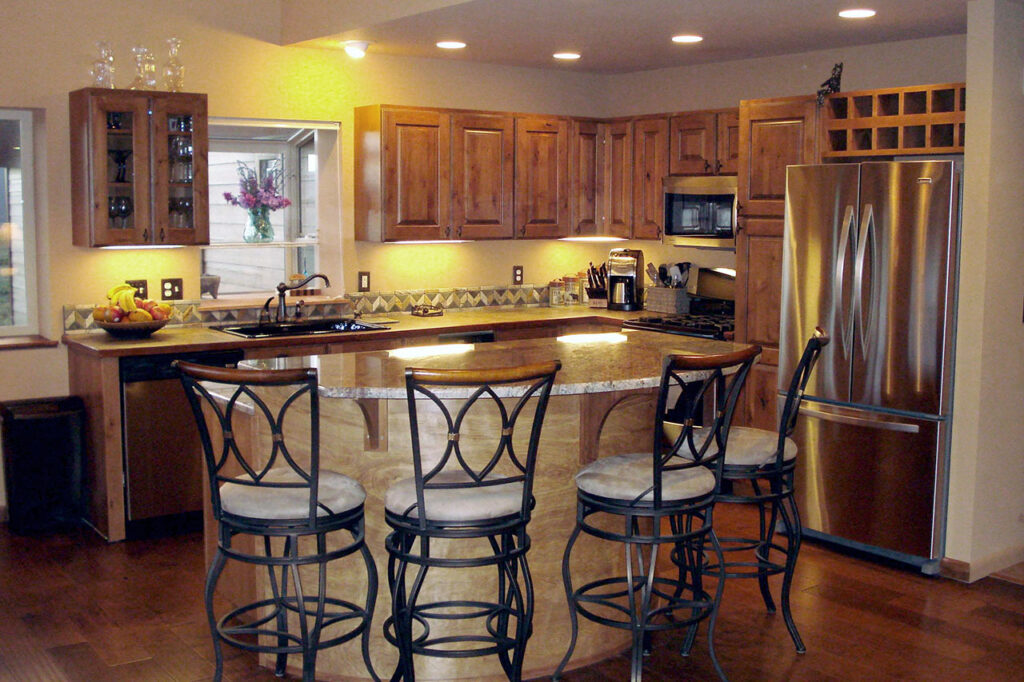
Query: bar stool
{"points": [[472, 480], [675, 482], [279, 495], [766, 460]]}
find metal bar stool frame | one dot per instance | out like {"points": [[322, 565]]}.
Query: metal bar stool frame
{"points": [[656, 603], [506, 534], [318, 522], [772, 492]]}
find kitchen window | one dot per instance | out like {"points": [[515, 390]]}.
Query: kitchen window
{"points": [[18, 313], [231, 266]]}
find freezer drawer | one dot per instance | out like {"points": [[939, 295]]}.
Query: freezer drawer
{"points": [[871, 478]]}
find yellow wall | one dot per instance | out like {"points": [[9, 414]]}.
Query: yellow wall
{"points": [[230, 52]]}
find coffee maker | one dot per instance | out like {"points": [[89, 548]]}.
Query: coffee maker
{"points": [[625, 279]]}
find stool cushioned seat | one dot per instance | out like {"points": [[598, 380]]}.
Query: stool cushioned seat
{"points": [[625, 477], [747, 446], [456, 504], [337, 492]]}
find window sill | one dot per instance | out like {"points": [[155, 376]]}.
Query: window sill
{"points": [[25, 342]]}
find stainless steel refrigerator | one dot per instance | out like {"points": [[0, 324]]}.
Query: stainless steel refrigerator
{"points": [[870, 256]]}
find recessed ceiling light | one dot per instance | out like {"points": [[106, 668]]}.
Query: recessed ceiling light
{"points": [[687, 39], [356, 48], [451, 44], [861, 13], [566, 55]]}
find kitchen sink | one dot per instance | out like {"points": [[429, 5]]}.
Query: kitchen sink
{"points": [[301, 328]]}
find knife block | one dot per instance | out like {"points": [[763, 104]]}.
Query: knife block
{"points": [[667, 300]]}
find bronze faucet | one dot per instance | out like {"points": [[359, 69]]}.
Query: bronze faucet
{"points": [[282, 288]]}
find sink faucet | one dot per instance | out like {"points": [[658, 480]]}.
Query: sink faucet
{"points": [[282, 289]]}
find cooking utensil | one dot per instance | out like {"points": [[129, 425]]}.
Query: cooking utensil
{"points": [[663, 275], [652, 272]]}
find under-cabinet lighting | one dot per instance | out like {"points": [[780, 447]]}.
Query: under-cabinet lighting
{"points": [[609, 337], [411, 352], [356, 48], [568, 56], [143, 246], [724, 271], [432, 241], [687, 38], [451, 44], [857, 13], [591, 239]]}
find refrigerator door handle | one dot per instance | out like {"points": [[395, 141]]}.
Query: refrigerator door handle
{"points": [[845, 326], [854, 420], [867, 226]]}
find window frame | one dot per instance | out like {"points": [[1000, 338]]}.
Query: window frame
{"points": [[26, 120]]}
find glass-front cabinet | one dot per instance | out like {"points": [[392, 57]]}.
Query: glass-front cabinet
{"points": [[139, 169]]}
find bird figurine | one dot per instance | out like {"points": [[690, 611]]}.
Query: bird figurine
{"points": [[832, 84]]}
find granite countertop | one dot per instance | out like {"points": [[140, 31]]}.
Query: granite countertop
{"points": [[173, 339], [604, 362]]}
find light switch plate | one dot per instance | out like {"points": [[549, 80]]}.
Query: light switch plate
{"points": [[171, 289], [364, 280], [517, 274], [141, 287]]}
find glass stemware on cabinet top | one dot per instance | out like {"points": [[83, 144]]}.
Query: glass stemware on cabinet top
{"points": [[174, 72]]}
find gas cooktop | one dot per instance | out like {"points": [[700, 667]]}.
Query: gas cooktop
{"points": [[709, 326]]}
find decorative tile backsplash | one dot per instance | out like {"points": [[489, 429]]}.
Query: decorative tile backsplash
{"points": [[78, 317]]}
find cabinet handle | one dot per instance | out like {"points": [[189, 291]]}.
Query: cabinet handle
{"points": [[448, 232], [458, 232], [522, 231], [145, 235], [718, 167], [162, 238], [707, 166]]}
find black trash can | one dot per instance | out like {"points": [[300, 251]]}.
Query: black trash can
{"points": [[42, 448]]}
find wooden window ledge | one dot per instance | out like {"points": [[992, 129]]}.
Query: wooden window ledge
{"points": [[24, 342]]}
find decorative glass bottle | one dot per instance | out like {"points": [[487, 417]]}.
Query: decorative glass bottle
{"points": [[174, 72], [103, 67]]}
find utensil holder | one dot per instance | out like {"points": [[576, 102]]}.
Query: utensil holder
{"points": [[666, 300]]}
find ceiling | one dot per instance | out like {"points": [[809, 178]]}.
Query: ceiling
{"points": [[621, 36]]}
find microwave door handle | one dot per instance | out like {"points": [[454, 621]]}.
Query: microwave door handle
{"points": [[845, 327], [867, 226]]}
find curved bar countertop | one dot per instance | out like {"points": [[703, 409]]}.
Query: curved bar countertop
{"points": [[602, 404]]}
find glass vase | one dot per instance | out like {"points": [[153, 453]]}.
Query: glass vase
{"points": [[257, 227], [174, 72]]}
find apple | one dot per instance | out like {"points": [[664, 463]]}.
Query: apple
{"points": [[113, 314]]}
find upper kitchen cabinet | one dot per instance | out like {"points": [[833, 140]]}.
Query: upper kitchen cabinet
{"points": [[139, 173], [774, 133], [650, 166], [429, 174], [601, 178], [704, 143], [542, 177]]}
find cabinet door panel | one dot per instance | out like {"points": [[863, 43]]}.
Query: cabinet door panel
{"points": [[692, 146], [650, 166], [758, 402], [180, 198], [585, 176], [728, 138], [618, 185], [416, 176], [773, 134], [481, 174], [542, 178], [760, 257]]}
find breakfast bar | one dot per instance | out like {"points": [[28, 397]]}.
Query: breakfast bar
{"points": [[602, 404]]}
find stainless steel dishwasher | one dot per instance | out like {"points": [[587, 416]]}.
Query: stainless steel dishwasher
{"points": [[162, 455]]}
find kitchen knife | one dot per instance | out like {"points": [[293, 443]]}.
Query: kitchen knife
{"points": [[604, 276]]}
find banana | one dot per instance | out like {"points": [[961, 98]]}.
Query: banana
{"points": [[126, 299], [115, 290]]}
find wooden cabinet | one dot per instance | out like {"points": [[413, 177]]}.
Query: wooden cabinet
{"points": [[650, 166], [704, 143], [139, 168], [773, 134], [601, 178], [428, 174], [542, 177], [924, 119]]}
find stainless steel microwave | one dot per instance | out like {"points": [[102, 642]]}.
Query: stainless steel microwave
{"points": [[700, 211]]}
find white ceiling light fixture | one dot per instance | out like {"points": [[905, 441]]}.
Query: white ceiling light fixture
{"points": [[687, 38], [857, 13], [566, 56], [450, 44], [356, 48]]}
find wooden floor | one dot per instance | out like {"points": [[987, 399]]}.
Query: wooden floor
{"points": [[75, 608]]}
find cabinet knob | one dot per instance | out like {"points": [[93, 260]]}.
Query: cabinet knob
{"points": [[707, 166], [162, 237], [718, 167], [145, 235]]}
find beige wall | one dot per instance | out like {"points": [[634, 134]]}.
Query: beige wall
{"points": [[986, 526], [230, 52]]}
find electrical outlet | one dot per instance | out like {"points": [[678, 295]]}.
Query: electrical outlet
{"points": [[517, 274], [141, 287], [170, 289], [364, 280]]}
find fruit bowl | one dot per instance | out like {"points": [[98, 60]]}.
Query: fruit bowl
{"points": [[130, 330]]}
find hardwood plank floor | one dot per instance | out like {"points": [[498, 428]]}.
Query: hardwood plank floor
{"points": [[75, 608]]}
